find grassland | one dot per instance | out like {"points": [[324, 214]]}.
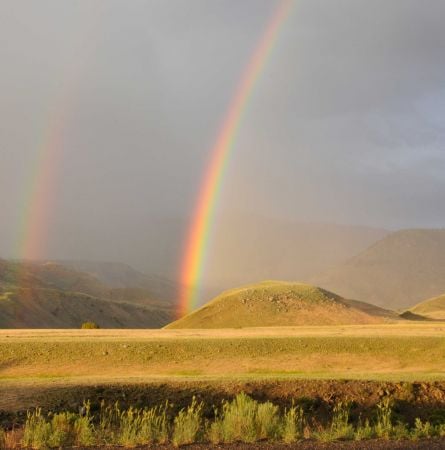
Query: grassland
{"points": [[402, 351]]}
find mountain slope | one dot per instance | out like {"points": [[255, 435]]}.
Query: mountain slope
{"points": [[275, 303], [47, 295], [50, 308], [122, 276], [398, 271], [252, 248]]}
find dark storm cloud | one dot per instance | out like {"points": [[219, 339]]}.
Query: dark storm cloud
{"points": [[346, 123]]}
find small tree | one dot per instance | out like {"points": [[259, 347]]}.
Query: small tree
{"points": [[90, 325]]}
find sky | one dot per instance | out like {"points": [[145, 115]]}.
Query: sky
{"points": [[346, 123]]}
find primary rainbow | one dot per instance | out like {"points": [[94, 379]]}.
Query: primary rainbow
{"points": [[198, 235]]}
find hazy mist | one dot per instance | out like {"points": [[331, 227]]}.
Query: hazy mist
{"points": [[346, 124]]}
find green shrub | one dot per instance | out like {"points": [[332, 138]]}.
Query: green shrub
{"points": [[90, 326], [400, 431], [238, 419], [37, 431], [154, 425], [383, 427], [267, 421], [363, 431], [187, 424], [62, 431], [293, 424], [340, 428], [422, 430], [130, 425], [246, 420], [83, 428]]}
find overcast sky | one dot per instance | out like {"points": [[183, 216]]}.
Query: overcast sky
{"points": [[346, 123]]}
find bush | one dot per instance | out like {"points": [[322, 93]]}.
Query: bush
{"points": [[244, 419], [83, 428], [154, 425], [340, 428], [37, 431], [90, 326], [363, 431], [188, 424], [293, 424], [383, 427], [62, 432]]}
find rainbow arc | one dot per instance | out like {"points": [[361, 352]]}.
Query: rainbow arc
{"points": [[197, 241]]}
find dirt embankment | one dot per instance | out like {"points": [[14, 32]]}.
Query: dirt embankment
{"points": [[317, 397]]}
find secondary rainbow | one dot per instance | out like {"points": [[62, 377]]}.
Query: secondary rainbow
{"points": [[199, 232], [40, 194]]}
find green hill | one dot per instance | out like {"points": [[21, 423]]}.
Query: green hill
{"points": [[399, 271], [276, 303], [433, 308]]}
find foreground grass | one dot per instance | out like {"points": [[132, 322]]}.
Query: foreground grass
{"points": [[240, 420], [390, 352]]}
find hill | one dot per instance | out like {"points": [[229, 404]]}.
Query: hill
{"points": [[398, 271], [276, 303], [433, 308], [51, 295], [51, 308]]}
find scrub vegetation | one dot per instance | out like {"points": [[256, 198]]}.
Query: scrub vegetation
{"points": [[241, 420]]}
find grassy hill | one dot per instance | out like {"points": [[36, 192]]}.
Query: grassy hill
{"points": [[398, 271], [276, 303], [433, 308], [51, 295]]}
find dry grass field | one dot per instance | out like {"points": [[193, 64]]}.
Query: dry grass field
{"points": [[397, 351]]}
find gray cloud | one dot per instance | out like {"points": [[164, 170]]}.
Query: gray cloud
{"points": [[346, 123]]}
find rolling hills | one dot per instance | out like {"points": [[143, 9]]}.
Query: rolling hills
{"points": [[398, 271], [433, 308], [276, 303], [51, 295]]}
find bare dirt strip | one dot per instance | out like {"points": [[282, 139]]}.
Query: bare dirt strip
{"points": [[375, 444]]}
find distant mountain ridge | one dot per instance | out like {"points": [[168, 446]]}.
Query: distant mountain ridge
{"points": [[396, 272], [122, 276], [249, 248]]}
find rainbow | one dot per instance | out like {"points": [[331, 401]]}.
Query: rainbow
{"points": [[202, 220], [40, 195], [40, 191]]}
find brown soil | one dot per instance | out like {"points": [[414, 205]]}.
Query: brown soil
{"points": [[411, 400], [427, 444]]}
